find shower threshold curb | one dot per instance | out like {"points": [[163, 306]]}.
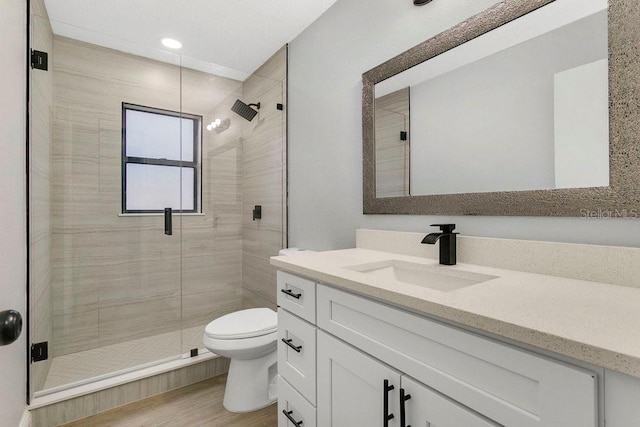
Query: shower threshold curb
{"points": [[71, 392]]}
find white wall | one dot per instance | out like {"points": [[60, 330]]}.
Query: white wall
{"points": [[12, 204], [325, 130]]}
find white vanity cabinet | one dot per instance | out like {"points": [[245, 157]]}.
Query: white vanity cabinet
{"points": [[368, 356], [423, 406], [355, 389], [510, 386], [296, 351], [351, 386], [297, 295], [293, 409]]}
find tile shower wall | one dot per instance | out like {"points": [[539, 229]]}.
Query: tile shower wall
{"points": [[118, 278], [41, 131], [264, 160]]}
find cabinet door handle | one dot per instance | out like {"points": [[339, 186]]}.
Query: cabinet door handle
{"points": [[293, 420], [403, 398], [386, 416], [297, 348], [291, 294]]}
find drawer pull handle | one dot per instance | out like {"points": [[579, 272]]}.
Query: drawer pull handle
{"points": [[293, 420], [403, 416], [291, 294], [297, 348], [386, 416]]}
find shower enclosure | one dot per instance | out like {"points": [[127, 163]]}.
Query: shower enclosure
{"points": [[140, 226]]}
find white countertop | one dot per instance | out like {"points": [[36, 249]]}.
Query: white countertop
{"points": [[593, 322]]}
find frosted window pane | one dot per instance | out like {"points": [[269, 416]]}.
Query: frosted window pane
{"points": [[151, 187], [157, 136], [187, 140], [187, 189]]}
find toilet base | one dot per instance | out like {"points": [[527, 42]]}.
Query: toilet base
{"points": [[251, 384]]}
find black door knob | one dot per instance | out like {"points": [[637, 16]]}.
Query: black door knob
{"points": [[10, 326]]}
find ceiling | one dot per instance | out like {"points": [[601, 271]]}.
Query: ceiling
{"points": [[230, 38]]}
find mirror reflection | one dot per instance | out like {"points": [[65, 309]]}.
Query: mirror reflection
{"points": [[392, 144], [523, 107]]}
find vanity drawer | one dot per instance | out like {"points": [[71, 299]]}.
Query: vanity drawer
{"points": [[511, 386], [292, 403], [297, 295], [297, 353]]}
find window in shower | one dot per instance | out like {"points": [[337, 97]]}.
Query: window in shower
{"points": [[160, 160]]}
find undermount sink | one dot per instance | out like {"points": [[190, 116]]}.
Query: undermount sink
{"points": [[440, 278]]}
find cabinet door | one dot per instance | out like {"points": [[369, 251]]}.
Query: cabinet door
{"points": [[514, 387], [293, 409], [426, 407], [351, 387], [297, 353], [297, 295]]}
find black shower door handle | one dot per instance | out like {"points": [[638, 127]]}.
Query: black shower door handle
{"points": [[168, 227]]}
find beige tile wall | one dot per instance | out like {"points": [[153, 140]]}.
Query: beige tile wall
{"points": [[100, 278], [264, 161], [41, 134], [118, 278]]}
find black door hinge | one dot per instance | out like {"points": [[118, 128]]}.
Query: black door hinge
{"points": [[403, 135], [39, 351], [39, 60], [280, 106]]}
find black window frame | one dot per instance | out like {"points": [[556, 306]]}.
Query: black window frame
{"points": [[196, 164]]}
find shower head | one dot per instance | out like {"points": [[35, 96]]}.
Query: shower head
{"points": [[245, 111]]}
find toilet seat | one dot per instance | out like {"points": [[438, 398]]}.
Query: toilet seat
{"points": [[250, 323]]}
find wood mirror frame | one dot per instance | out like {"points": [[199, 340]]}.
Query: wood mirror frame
{"points": [[620, 199]]}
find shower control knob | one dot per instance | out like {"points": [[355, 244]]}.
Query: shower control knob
{"points": [[10, 326]]}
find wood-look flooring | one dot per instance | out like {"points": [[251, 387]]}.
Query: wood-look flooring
{"points": [[199, 404]]}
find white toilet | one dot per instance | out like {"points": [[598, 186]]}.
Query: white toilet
{"points": [[248, 338]]}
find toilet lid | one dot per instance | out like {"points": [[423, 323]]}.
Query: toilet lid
{"points": [[249, 323]]}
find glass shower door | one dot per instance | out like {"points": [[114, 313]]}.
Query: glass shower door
{"points": [[40, 199], [212, 237], [105, 277], [225, 251]]}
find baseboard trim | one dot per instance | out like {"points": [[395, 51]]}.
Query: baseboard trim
{"points": [[25, 421]]}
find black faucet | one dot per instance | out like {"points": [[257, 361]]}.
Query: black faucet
{"points": [[447, 242]]}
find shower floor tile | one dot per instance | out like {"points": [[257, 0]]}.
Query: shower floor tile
{"points": [[118, 358]]}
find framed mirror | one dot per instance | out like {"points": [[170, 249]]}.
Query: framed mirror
{"points": [[529, 108]]}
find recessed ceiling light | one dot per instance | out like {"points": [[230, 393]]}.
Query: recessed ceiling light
{"points": [[171, 43]]}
